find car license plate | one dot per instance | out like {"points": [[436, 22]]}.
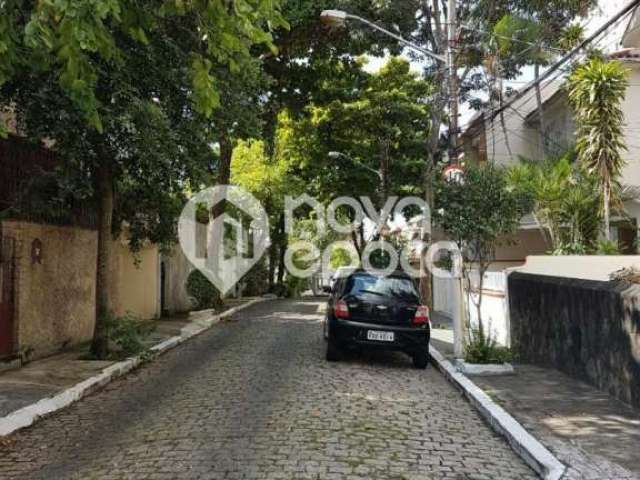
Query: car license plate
{"points": [[380, 336]]}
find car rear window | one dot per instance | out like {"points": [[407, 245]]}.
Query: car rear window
{"points": [[396, 287]]}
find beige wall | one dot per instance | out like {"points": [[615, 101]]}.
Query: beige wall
{"points": [[135, 281], [525, 242], [631, 37], [560, 127], [176, 272], [55, 299], [631, 107], [523, 137]]}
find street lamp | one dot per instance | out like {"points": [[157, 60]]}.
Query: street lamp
{"points": [[333, 18], [337, 18]]}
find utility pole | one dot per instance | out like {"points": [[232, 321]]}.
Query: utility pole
{"points": [[452, 35], [452, 73], [339, 17]]}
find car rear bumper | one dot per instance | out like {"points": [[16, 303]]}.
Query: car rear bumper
{"points": [[407, 339]]}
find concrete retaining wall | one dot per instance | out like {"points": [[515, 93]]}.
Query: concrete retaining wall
{"points": [[54, 297], [588, 329], [176, 272], [135, 281]]}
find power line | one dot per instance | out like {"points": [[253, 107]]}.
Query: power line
{"points": [[561, 70], [626, 10], [516, 40]]}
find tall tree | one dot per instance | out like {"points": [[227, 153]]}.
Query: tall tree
{"points": [[383, 126], [121, 88], [380, 129], [596, 92], [309, 55]]}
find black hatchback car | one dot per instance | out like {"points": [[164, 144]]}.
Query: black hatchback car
{"points": [[370, 310]]}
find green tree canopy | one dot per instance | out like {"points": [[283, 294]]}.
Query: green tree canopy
{"points": [[126, 91], [479, 213], [75, 40], [377, 122]]}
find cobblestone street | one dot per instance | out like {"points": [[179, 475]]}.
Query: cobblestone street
{"points": [[254, 398]]}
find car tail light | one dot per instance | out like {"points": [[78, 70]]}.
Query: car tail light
{"points": [[422, 315], [341, 310]]}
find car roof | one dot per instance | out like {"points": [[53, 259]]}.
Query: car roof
{"points": [[342, 272], [381, 273]]}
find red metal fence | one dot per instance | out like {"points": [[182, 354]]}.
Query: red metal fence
{"points": [[7, 266]]}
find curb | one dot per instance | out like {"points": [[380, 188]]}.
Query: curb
{"points": [[536, 455], [30, 414]]}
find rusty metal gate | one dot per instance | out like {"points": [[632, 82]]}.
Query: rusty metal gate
{"points": [[7, 267]]}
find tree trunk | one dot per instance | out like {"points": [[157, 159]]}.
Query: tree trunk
{"points": [[503, 123], [282, 251], [224, 171], [104, 190], [224, 176], [540, 111], [273, 257], [356, 243], [607, 209], [271, 251], [435, 33], [384, 174]]}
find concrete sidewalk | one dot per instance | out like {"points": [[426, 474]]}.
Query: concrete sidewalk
{"points": [[596, 436], [49, 376]]}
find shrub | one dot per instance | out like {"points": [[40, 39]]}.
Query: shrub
{"points": [[483, 349], [257, 280], [295, 286], [127, 333], [607, 247], [570, 249], [203, 291], [279, 290]]}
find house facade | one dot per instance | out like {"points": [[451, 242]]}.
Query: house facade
{"points": [[513, 135]]}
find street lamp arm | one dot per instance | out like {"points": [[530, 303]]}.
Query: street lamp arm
{"points": [[355, 162], [399, 38], [373, 170]]}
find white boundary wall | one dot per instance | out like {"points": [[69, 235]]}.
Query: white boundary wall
{"points": [[585, 267], [444, 295], [495, 305]]}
